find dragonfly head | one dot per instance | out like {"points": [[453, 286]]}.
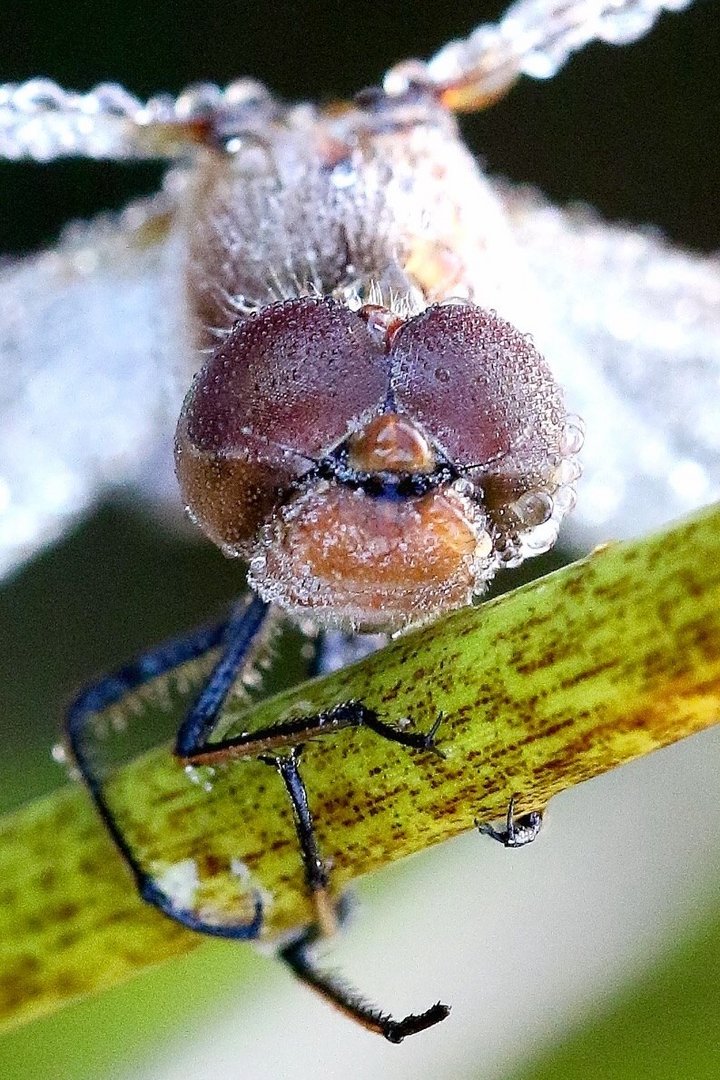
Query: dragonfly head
{"points": [[375, 471]]}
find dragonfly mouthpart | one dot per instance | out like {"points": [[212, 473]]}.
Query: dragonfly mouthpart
{"points": [[378, 537]]}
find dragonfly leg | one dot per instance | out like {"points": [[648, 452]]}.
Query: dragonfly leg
{"points": [[316, 871], [298, 955], [290, 736], [518, 831], [240, 633], [293, 732], [236, 635]]}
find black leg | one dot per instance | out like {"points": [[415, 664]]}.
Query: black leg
{"points": [[298, 953], [423, 740], [292, 734], [349, 714], [316, 873], [113, 688], [236, 637], [518, 831], [298, 956]]}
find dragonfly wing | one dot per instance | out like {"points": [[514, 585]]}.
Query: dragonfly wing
{"points": [[638, 349], [86, 334], [90, 330]]}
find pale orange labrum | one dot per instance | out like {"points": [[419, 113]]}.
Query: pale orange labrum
{"points": [[372, 563]]}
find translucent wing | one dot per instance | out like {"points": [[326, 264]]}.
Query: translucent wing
{"points": [[42, 121], [637, 346], [86, 332]]}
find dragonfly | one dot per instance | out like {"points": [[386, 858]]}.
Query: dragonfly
{"points": [[259, 235]]}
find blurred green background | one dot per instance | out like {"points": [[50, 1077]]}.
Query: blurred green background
{"points": [[631, 131]]}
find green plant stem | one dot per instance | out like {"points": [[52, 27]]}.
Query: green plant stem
{"points": [[562, 680]]}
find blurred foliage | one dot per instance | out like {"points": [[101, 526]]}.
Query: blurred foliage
{"points": [[662, 1027]]}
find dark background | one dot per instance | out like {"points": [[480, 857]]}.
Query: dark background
{"points": [[632, 131]]}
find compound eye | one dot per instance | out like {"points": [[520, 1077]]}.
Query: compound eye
{"points": [[282, 389], [479, 388], [298, 375]]}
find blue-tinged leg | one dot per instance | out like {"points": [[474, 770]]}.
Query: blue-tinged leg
{"points": [[235, 637], [193, 745], [288, 738], [240, 632]]}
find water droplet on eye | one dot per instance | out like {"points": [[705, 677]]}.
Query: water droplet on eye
{"points": [[565, 500], [533, 508], [567, 472], [542, 538], [511, 556], [573, 435]]}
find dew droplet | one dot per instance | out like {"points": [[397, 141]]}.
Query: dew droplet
{"points": [[344, 175], [59, 754], [533, 508], [573, 435]]}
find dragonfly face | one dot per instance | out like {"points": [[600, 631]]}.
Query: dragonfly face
{"points": [[374, 478]]}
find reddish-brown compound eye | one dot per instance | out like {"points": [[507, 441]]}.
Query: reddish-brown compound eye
{"points": [[479, 388], [282, 389]]}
